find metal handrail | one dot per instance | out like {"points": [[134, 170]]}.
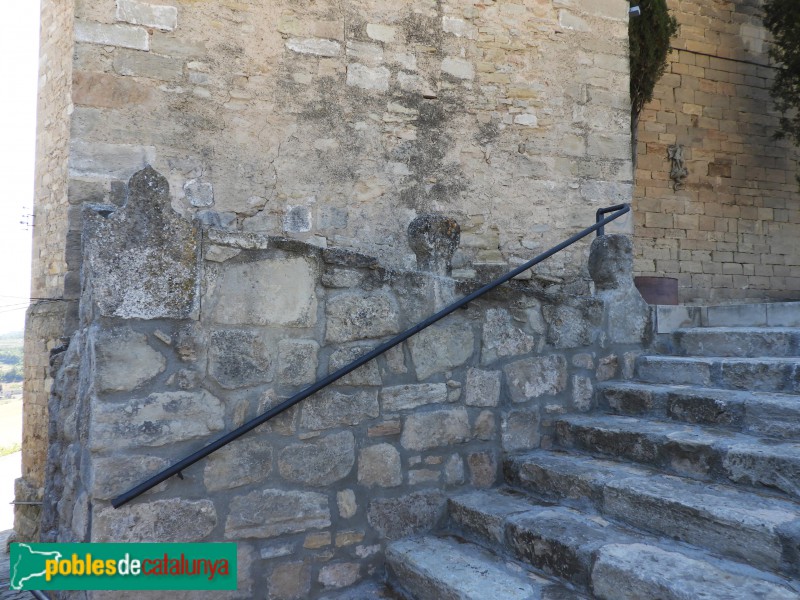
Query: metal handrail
{"points": [[175, 469]]}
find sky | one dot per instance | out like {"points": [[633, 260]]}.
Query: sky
{"points": [[19, 57]]}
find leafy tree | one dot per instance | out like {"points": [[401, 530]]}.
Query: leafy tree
{"points": [[782, 19], [649, 35]]}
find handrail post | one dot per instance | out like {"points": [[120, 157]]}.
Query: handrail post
{"points": [[598, 216]]}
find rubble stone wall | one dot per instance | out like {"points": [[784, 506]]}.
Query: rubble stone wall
{"points": [[159, 366], [730, 233]]}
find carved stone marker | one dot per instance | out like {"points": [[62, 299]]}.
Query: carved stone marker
{"points": [[434, 238]]}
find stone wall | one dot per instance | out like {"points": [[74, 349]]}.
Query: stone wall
{"points": [[730, 233], [45, 319], [160, 365], [337, 123]]}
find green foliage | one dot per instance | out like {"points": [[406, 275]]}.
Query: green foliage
{"points": [[782, 19], [649, 35]]}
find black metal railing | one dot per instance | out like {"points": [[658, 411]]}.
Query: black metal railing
{"points": [[175, 469]]}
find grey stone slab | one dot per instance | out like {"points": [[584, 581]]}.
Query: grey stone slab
{"points": [[737, 315], [270, 513], [739, 341], [675, 370], [355, 316], [398, 517], [171, 519], [636, 571], [441, 347], [783, 314], [671, 318], [536, 377], [438, 568], [329, 408], [319, 462], [435, 429], [244, 461], [124, 360], [409, 396], [482, 514]]}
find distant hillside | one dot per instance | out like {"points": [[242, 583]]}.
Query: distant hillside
{"points": [[11, 345]]}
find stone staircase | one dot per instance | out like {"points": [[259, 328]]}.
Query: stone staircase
{"points": [[683, 484]]}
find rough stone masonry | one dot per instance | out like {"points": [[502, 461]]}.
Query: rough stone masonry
{"points": [[159, 365]]}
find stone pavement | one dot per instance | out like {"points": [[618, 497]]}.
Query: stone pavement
{"points": [[5, 593]]}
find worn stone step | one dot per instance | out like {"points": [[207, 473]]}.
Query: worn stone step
{"points": [[428, 568], [760, 413], [686, 450], [769, 314], [738, 341], [754, 374], [368, 590], [585, 549], [760, 530]]}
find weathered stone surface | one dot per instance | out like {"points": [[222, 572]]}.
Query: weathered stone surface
{"points": [[269, 513], [625, 572], [132, 63], [114, 474], [454, 470], [354, 316], [567, 326], [368, 78], [536, 377], [200, 194], [240, 358], [483, 388], [394, 518], [482, 469], [611, 262], [459, 68], [105, 90], [346, 502], [290, 581], [434, 238], [124, 360], [150, 15], [405, 397], [441, 347], [367, 374], [379, 465], [297, 361], [172, 520], [159, 419], [246, 460], [339, 575], [520, 430], [607, 367], [278, 291], [582, 392], [317, 47], [320, 462], [502, 338], [330, 408], [422, 431], [142, 259], [486, 426], [124, 36]]}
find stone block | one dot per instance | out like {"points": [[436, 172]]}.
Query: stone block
{"points": [[320, 462], [239, 358], [124, 360], [459, 68], [368, 78], [131, 63], [379, 465], [501, 338], [338, 575], [435, 429], [270, 513], [277, 292], [567, 326], [114, 474], [150, 15], [297, 361], [364, 53], [441, 347], [483, 388], [381, 33], [394, 518], [485, 426], [297, 219], [105, 90], [123, 36], [315, 46], [169, 520], [454, 470], [346, 503], [367, 374], [289, 581], [482, 469], [582, 392], [520, 430], [536, 377], [330, 408], [108, 161], [406, 397], [354, 316], [158, 420], [200, 194], [244, 461]]}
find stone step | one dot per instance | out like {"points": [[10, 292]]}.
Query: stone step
{"points": [[754, 374], [369, 590], [760, 413], [770, 314], [687, 450], [759, 530], [433, 568], [738, 341], [611, 561]]}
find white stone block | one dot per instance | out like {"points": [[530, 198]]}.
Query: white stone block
{"points": [[150, 15], [458, 67], [124, 36], [367, 78], [315, 46], [382, 33]]}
